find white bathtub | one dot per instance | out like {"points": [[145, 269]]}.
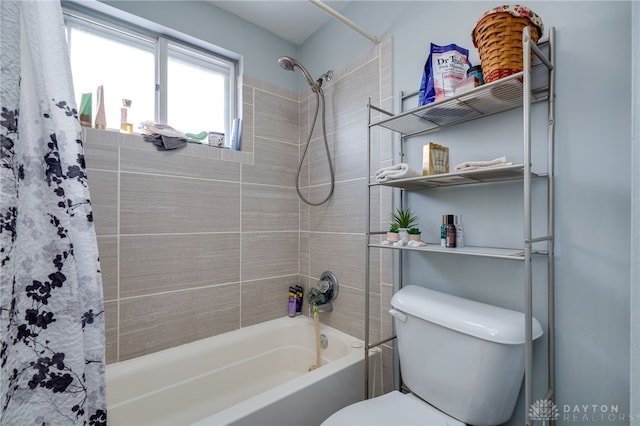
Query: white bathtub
{"points": [[257, 375]]}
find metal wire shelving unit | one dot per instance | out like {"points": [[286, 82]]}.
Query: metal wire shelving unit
{"points": [[519, 91]]}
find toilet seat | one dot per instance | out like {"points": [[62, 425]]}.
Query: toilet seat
{"points": [[391, 409]]}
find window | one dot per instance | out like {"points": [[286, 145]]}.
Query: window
{"points": [[166, 80], [123, 63], [194, 83]]}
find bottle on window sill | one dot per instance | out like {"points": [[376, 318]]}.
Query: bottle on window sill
{"points": [[101, 120], [125, 126]]}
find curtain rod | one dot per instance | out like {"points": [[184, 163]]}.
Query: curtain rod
{"points": [[349, 23]]}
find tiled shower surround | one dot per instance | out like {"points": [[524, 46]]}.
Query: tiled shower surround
{"points": [[202, 241]]}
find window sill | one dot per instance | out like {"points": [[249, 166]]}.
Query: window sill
{"points": [[91, 136]]}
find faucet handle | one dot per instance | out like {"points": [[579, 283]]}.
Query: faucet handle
{"points": [[328, 285], [324, 286]]}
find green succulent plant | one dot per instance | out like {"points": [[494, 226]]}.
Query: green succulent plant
{"points": [[404, 218], [414, 231], [393, 228]]}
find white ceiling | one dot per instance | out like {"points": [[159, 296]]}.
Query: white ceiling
{"points": [[293, 20]]}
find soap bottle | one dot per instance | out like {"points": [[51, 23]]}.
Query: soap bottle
{"points": [[293, 295], [125, 126], [443, 231], [101, 118], [85, 110], [459, 232], [451, 231]]}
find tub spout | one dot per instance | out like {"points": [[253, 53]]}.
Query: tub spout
{"points": [[325, 307]]}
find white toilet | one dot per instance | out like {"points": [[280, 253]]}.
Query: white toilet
{"points": [[464, 358]]}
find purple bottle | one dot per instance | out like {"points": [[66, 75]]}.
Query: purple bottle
{"points": [[293, 296]]}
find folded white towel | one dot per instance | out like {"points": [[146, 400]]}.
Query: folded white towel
{"points": [[414, 243], [397, 171], [497, 166], [471, 165]]}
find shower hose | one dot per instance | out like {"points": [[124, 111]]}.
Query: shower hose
{"points": [[319, 98]]}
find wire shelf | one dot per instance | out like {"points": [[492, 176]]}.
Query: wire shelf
{"points": [[493, 252], [492, 98], [487, 175]]}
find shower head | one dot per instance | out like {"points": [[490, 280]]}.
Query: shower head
{"points": [[288, 63]]}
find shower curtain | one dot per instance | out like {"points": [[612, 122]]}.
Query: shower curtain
{"points": [[51, 309]]}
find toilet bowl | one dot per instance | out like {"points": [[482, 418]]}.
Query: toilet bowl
{"points": [[391, 409], [464, 358]]}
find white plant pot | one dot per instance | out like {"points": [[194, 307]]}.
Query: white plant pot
{"points": [[404, 235]]}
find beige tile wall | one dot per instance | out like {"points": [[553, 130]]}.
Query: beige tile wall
{"points": [[202, 241], [333, 235], [188, 238]]}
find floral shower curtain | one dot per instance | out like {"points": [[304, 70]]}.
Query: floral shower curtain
{"points": [[51, 309]]}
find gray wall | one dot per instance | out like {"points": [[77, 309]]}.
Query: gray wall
{"points": [[592, 177], [635, 212]]}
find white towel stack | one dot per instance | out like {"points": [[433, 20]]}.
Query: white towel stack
{"points": [[473, 165], [397, 171]]}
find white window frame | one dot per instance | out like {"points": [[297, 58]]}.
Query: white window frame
{"points": [[108, 18]]}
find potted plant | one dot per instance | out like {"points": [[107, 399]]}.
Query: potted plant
{"points": [[414, 234], [404, 219], [392, 234]]}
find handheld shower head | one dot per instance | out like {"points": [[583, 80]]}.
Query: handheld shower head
{"points": [[288, 63]]}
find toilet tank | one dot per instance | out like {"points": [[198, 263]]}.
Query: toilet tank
{"points": [[464, 357]]}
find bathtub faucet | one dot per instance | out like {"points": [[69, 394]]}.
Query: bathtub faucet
{"points": [[325, 291], [325, 307]]}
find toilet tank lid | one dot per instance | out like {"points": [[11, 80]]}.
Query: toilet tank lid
{"points": [[480, 320]]}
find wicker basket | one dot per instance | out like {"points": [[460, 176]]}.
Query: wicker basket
{"points": [[498, 37]]}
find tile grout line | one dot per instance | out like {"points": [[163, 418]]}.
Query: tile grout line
{"points": [[299, 201], [253, 132], [180, 290], [175, 176], [240, 253], [118, 260]]}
